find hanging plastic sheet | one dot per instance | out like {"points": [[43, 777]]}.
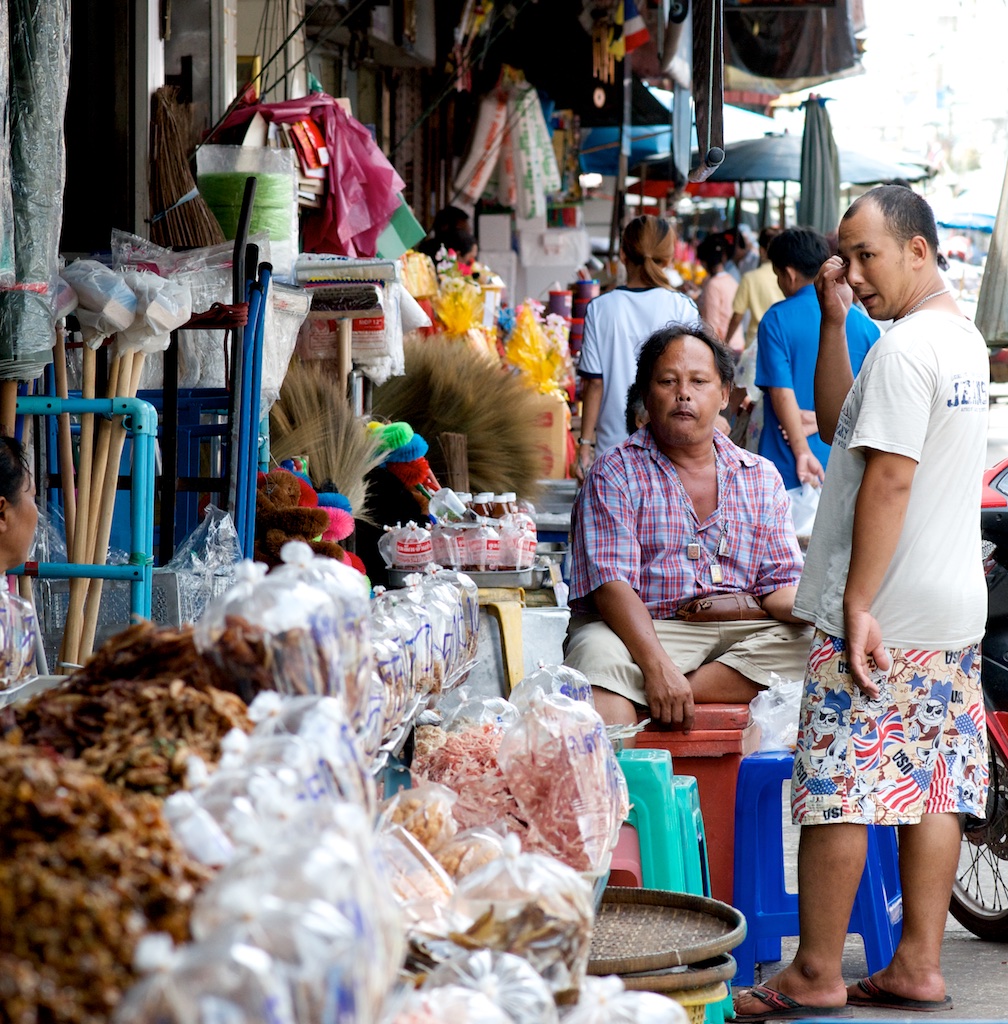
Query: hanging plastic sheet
{"points": [[6, 200], [39, 78], [363, 188]]}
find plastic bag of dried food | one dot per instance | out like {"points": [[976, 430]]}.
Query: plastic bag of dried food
{"points": [[463, 599], [396, 613], [509, 982], [273, 791], [217, 980], [606, 1001], [348, 591], [17, 638], [420, 885], [198, 830], [470, 849], [449, 1004], [322, 724], [466, 762], [474, 711], [425, 811], [559, 679], [532, 906], [313, 947], [338, 867], [558, 763], [294, 616]]}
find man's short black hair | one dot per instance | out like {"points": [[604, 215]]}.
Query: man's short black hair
{"points": [[905, 213], [802, 249], [634, 407], [664, 336]]}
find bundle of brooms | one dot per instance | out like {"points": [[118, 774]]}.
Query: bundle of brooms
{"points": [[450, 388], [312, 417], [190, 224]]}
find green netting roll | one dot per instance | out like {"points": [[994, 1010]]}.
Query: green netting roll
{"points": [[39, 79], [273, 211]]}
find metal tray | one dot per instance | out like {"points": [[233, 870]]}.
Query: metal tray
{"points": [[497, 578]]}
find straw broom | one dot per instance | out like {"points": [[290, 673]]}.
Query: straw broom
{"points": [[191, 224]]}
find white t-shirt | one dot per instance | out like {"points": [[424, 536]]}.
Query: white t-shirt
{"points": [[921, 392], [616, 326]]}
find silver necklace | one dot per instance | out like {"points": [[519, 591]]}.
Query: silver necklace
{"points": [[927, 298]]}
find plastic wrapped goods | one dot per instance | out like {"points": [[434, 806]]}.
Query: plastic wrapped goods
{"points": [[509, 982], [220, 981], [105, 302], [532, 906], [606, 1001], [39, 77], [558, 763], [448, 1004]]}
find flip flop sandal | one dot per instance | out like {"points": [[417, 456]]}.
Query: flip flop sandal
{"points": [[782, 1007], [870, 994]]}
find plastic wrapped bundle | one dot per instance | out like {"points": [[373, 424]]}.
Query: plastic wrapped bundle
{"points": [[212, 980], [448, 1004], [17, 638], [509, 982], [39, 78], [606, 1001], [555, 679], [532, 906], [321, 723], [6, 199], [562, 770]]}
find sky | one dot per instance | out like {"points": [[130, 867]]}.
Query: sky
{"points": [[934, 87]]}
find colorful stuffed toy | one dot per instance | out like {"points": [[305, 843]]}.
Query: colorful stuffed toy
{"points": [[287, 509]]}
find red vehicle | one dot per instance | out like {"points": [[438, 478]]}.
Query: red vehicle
{"points": [[980, 894]]}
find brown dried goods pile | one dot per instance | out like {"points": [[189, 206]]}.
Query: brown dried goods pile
{"points": [[134, 734], [146, 651], [85, 870]]}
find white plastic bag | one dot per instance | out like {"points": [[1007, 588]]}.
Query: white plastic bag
{"points": [[804, 503], [775, 711]]}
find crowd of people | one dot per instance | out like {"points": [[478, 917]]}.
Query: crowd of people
{"points": [[689, 585]]}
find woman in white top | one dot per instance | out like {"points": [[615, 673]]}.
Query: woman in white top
{"points": [[616, 326]]}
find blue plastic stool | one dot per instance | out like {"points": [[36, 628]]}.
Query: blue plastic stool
{"points": [[770, 910]]}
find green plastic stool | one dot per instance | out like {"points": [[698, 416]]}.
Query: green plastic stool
{"points": [[665, 813]]}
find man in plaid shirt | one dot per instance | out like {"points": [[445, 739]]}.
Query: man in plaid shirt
{"points": [[675, 513]]}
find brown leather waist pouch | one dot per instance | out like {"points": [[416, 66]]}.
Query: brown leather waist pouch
{"points": [[722, 608]]}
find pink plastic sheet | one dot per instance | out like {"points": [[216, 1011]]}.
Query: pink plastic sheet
{"points": [[363, 187]]}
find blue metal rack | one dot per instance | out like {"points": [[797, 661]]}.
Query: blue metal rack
{"points": [[140, 420]]}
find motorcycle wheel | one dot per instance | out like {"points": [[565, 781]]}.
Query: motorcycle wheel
{"points": [[980, 892]]}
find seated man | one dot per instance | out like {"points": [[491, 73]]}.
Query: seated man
{"points": [[672, 514]]}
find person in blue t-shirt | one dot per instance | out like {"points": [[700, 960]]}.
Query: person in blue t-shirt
{"points": [[787, 348]]}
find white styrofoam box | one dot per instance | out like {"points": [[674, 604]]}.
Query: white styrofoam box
{"points": [[526, 225], [504, 263], [556, 247], [495, 231]]}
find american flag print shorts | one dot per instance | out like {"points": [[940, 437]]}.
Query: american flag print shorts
{"points": [[919, 748]]}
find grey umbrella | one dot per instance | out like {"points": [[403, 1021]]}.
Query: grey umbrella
{"points": [[778, 158], [992, 303], [819, 206]]}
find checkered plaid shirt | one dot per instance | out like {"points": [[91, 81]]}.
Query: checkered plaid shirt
{"points": [[631, 522]]}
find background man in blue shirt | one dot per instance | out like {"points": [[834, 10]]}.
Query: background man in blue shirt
{"points": [[787, 348]]}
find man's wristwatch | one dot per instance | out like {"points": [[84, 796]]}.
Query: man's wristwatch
{"points": [[584, 440]]}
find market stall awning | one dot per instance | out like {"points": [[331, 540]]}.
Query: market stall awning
{"points": [[778, 158]]}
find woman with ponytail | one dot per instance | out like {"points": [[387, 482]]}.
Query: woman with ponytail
{"points": [[616, 326]]}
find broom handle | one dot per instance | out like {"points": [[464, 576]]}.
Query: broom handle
{"points": [[8, 406], [119, 367], [64, 444], [78, 586], [134, 362]]}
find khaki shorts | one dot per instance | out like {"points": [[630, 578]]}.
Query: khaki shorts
{"points": [[919, 748], [763, 650]]}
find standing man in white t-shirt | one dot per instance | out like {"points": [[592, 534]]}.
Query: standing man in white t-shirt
{"points": [[892, 727]]}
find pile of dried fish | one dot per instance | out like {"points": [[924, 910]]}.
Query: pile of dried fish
{"points": [[85, 871], [134, 734]]}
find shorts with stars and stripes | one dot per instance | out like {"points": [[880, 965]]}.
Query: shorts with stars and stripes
{"points": [[920, 747]]}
